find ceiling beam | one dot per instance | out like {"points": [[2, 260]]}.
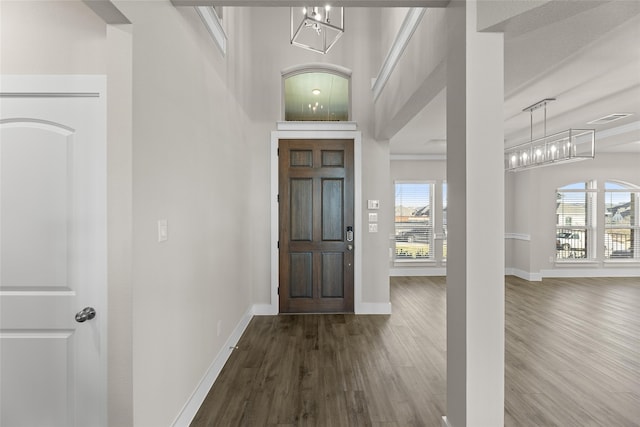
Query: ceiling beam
{"points": [[301, 3], [520, 17], [106, 10]]}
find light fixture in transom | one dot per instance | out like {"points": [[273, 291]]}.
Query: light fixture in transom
{"points": [[316, 28]]}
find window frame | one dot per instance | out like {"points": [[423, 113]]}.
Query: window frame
{"points": [[633, 226], [430, 226], [444, 190], [316, 68], [573, 254]]}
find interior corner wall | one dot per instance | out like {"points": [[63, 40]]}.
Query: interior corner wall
{"points": [[191, 163]]}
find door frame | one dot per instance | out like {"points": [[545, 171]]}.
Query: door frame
{"points": [[315, 130]]}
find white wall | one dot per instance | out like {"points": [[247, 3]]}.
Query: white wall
{"points": [[531, 208], [191, 166], [51, 37]]}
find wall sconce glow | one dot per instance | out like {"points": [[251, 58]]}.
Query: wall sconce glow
{"points": [[319, 29], [316, 91], [567, 146]]}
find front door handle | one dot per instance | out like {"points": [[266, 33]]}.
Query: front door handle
{"points": [[85, 314]]}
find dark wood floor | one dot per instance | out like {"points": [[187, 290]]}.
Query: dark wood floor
{"points": [[572, 359]]}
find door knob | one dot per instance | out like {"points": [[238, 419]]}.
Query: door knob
{"points": [[85, 314]]}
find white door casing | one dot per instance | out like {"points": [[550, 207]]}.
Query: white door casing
{"points": [[52, 250]]}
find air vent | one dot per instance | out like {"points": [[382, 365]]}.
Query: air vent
{"points": [[608, 119]]}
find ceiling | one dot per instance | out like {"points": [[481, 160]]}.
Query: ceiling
{"points": [[589, 62]]}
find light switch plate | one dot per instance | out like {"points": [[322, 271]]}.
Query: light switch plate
{"points": [[373, 217], [373, 204], [373, 228], [163, 230]]}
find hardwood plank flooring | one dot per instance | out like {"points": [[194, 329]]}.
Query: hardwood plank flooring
{"points": [[572, 359], [572, 352]]}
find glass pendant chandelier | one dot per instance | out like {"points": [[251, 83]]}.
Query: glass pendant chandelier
{"points": [[316, 28]]}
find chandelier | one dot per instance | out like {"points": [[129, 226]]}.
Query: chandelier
{"points": [[567, 146], [316, 28]]}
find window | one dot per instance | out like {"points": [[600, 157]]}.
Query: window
{"points": [[212, 19], [444, 221], [414, 221], [315, 95], [575, 221], [622, 227]]}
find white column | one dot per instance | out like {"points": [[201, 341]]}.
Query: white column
{"points": [[475, 260]]}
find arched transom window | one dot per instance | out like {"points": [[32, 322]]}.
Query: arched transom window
{"points": [[316, 94]]}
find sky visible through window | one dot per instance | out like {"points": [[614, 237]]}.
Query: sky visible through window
{"points": [[412, 194], [613, 198]]}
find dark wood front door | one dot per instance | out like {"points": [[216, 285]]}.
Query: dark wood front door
{"points": [[316, 226]]}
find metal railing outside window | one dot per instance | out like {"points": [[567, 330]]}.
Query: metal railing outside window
{"points": [[575, 205], [622, 228]]}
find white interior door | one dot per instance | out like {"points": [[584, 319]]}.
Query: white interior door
{"points": [[52, 251]]}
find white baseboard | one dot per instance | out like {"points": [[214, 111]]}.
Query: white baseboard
{"points": [[195, 401], [264, 310], [526, 275], [373, 308], [417, 271], [592, 272], [445, 422], [568, 272]]}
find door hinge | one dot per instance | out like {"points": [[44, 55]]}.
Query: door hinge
{"points": [[278, 290], [278, 198], [278, 244], [278, 153]]}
